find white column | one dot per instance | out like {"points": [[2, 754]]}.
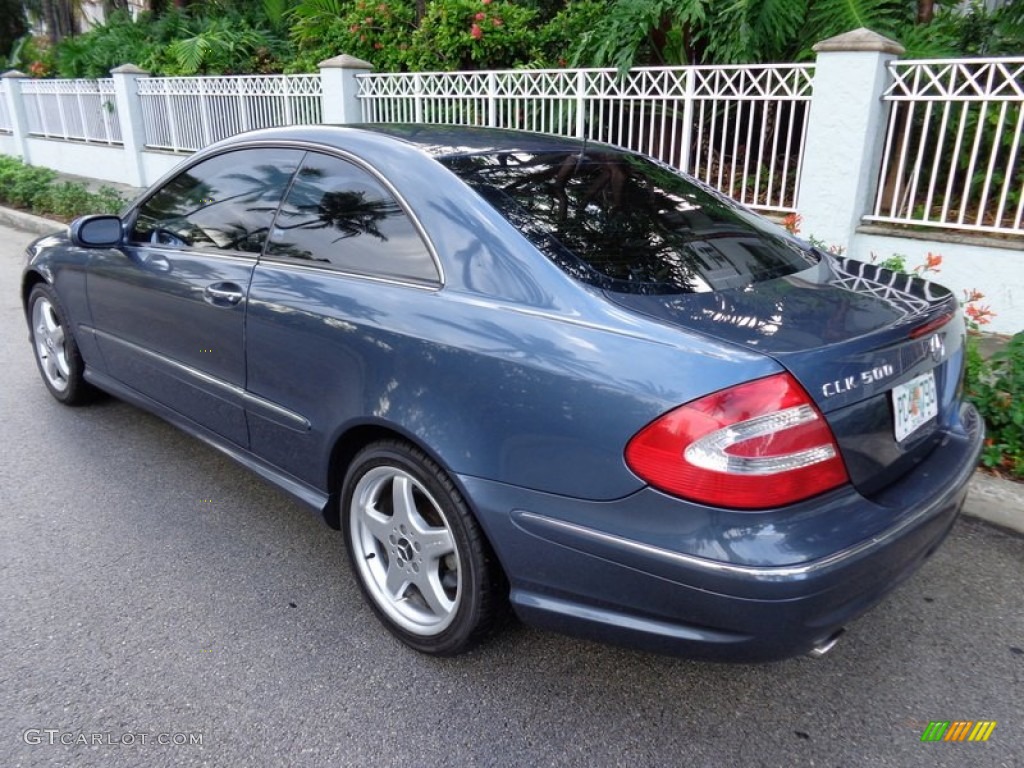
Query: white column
{"points": [[129, 115], [845, 133], [16, 110], [341, 88]]}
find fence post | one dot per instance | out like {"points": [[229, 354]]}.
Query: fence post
{"points": [[16, 109], [845, 133], [341, 88], [492, 99], [128, 106], [581, 104], [690, 93]]}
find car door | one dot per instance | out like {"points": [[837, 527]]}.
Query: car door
{"points": [[345, 266], [169, 305]]}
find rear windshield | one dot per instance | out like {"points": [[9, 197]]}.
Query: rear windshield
{"points": [[625, 223]]}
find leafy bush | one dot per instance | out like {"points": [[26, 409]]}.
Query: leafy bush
{"points": [[996, 387], [37, 190], [473, 34], [206, 38], [378, 32], [21, 184]]}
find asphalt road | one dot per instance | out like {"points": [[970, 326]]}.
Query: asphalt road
{"points": [[152, 590]]}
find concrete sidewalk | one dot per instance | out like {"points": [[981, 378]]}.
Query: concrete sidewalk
{"points": [[992, 499]]}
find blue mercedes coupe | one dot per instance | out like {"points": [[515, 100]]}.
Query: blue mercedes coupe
{"points": [[528, 372]]}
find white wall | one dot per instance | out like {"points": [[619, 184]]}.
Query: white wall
{"points": [[156, 164], [972, 263], [98, 161]]}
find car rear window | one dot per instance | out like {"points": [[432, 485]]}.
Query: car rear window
{"points": [[625, 223]]}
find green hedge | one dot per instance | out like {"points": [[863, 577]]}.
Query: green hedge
{"points": [[38, 190]]}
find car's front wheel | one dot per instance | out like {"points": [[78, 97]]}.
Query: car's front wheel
{"points": [[417, 551], [56, 352]]}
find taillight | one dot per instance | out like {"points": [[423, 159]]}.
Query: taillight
{"points": [[756, 445]]}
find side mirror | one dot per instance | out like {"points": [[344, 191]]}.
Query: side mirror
{"points": [[101, 231]]}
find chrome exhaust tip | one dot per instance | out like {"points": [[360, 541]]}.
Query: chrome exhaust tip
{"points": [[825, 645]]}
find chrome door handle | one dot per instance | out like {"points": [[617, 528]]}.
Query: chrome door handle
{"points": [[223, 293]]}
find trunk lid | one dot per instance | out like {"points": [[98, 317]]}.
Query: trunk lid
{"points": [[866, 343]]}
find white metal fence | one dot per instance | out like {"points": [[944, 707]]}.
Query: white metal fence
{"points": [[954, 156], [188, 113], [740, 129], [72, 110]]}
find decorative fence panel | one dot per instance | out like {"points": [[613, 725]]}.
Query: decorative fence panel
{"points": [[740, 129], [6, 126], [188, 113], [72, 110], [953, 153]]}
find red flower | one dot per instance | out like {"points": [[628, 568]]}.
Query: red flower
{"points": [[931, 263], [480, 16], [476, 32], [792, 223]]}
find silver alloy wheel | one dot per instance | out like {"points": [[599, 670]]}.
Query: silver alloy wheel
{"points": [[404, 550], [48, 335]]}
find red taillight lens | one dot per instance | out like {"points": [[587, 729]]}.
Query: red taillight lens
{"points": [[757, 445]]}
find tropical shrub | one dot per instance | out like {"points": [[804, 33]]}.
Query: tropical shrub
{"points": [[996, 387], [37, 190], [473, 34], [377, 32]]}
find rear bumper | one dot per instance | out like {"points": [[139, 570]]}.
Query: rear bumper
{"points": [[657, 573]]}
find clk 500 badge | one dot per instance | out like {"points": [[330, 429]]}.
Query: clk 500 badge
{"points": [[849, 383]]}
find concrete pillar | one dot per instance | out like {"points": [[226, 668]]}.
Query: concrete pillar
{"points": [[16, 110], [340, 88], [129, 116], [845, 133]]}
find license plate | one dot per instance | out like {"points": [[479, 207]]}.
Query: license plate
{"points": [[914, 403]]}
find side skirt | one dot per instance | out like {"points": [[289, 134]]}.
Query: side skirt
{"points": [[314, 497]]}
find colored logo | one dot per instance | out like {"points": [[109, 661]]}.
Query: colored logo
{"points": [[958, 730]]}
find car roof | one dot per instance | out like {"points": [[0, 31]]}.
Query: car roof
{"points": [[434, 140]]}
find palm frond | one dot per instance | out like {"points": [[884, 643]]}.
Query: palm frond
{"points": [[827, 18]]}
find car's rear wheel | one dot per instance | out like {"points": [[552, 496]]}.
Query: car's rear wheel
{"points": [[56, 351], [416, 550]]}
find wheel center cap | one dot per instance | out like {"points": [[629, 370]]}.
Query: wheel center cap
{"points": [[405, 549]]}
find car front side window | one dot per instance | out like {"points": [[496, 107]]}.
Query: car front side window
{"points": [[224, 203]]}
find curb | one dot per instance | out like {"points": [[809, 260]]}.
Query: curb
{"points": [[989, 498], [30, 222], [996, 501]]}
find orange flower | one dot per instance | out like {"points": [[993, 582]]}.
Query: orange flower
{"points": [[792, 223]]}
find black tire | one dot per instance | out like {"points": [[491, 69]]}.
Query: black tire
{"points": [[418, 554], [56, 352]]}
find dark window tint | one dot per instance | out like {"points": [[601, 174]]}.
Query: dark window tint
{"points": [[624, 223], [337, 214], [226, 202]]}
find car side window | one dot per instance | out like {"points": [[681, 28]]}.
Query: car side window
{"points": [[338, 215], [226, 202]]}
